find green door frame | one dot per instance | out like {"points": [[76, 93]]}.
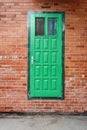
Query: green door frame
{"points": [[63, 52]]}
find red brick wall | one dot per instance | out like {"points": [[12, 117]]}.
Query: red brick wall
{"points": [[14, 56]]}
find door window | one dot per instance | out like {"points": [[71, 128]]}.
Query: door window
{"points": [[39, 26], [52, 26]]}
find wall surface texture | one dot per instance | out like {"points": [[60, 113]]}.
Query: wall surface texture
{"points": [[14, 56]]}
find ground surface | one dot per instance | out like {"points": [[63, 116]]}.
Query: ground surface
{"points": [[43, 122]]}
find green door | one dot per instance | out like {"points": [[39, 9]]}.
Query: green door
{"points": [[45, 55]]}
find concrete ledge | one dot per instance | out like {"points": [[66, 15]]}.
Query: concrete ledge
{"points": [[17, 114]]}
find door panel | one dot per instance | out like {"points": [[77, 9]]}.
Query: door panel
{"points": [[46, 55]]}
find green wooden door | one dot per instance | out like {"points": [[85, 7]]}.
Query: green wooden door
{"points": [[45, 55]]}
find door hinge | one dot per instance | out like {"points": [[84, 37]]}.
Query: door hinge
{"points": [[28, 94], [63, 27]]}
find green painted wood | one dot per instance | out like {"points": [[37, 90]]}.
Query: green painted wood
{"points": [[46, 58]]}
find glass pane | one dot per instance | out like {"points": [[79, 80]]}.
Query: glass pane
{"points": [[39, 22], [52, 26]]}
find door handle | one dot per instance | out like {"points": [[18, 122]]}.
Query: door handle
{"points": [[32, 60]]}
